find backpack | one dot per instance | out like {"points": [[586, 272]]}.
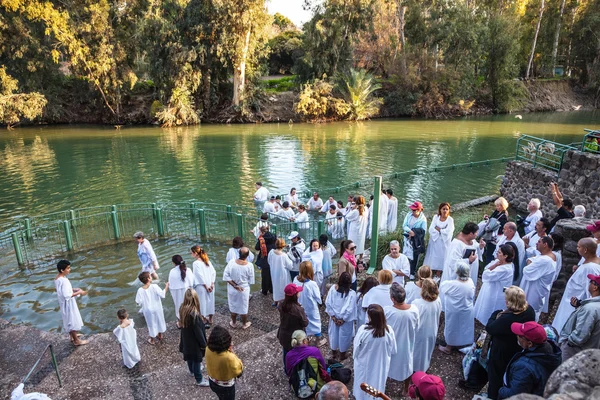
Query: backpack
{"points": [[303, 380]]}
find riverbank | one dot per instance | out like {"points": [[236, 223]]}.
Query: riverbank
{"points": [[140, 107]]}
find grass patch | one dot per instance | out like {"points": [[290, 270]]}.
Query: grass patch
{"points": [[285, 84]]}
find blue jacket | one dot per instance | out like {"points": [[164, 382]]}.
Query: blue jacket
{"points": [[529, 370]]}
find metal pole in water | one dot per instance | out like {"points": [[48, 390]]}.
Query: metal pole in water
{"points": [[28, 234], [321, 227], [240, 224], [202, 220], [68, 237], [115, 223], [375, 224], [192, 210], [17, 247], [159, 222]]}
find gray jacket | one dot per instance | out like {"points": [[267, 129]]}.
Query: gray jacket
{"points": [[582, 329]]}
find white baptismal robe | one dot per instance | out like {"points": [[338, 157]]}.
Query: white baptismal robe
{"points": [[234, 254], [205, 275], [401, 263], [413, 292], [357, 229], [151, 303], [405, 324], [379, 294], [392, 217], [342, 308], [537, 280], [68, 305], [439, 242], [372, 358], [455, 253], [243, 276], [491, 295], [457, 304], [177, 286], [310, 298], [281, 265], [301, 219], [576, 287], [429, 322], [128, 339], [516, 239]]}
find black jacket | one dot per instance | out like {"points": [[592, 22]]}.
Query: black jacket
{"points": [[502, 217], [418, 241], [192, 341], [270, 241]]}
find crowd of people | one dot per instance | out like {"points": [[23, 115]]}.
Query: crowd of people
{"points": [[388, 325]]}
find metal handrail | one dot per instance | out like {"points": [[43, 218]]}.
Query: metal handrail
{"points": [[54, 364], [541, 152]]}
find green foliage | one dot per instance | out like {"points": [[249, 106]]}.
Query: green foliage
{"points": [[14, 107], [285, 50], [283, 22], [155, 108], [179, 111], [285, 84], [316, 102], [357, 88]]}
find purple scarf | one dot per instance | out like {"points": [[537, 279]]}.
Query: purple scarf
{"points": [[297, 354]]}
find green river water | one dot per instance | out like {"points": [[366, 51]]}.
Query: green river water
{"points": [[46, 169]]}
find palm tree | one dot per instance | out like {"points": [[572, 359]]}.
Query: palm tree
{"points": [[358, 87]]}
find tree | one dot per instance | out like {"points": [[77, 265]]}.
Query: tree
{"points": [[14, 106], [284, 50], [557, 35], [535, 37], [357, 88]]}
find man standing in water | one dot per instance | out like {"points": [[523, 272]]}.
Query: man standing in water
{"points": [[261, 194], [146, 255]]}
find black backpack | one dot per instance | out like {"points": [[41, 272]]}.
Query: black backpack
{"points": [[302, 373]]}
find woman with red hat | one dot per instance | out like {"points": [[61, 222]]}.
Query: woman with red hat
{"points": [[414, 226], [291, 317]]}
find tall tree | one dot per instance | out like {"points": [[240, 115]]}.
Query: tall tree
{"points": [[535, 38], [557, 35]]}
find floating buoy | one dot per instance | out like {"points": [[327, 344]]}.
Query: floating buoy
{"points": [[519, 116]]}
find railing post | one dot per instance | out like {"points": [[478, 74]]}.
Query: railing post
{"points": [[28, 234], [375, 225], [321, 227], [72, 215], [240, 225], [55, 364], [68, 237], [159, 222], [229, 212], [535, 156], [192, 210], [202, 221], [153, 206], [17, 246], [115, 223], [274, 229]]}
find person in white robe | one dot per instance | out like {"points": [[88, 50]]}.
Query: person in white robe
{"points": [[263, 221], [314, 254], [397, 263], [464, 248], [261, 194], [559, 242], [181, 278], [149, 297], [511, 235], [295, 252], [314, 203], [392, 217], [310, 299], [281, 265], [341, 308], [234, 251], [146, 255], [336, 225], [542, 227], [374, 345], [72, 322], [286, 213], [430, 308], [538, 275], [383, 215], [270, 206], [301, 218], [361, 312], [380, 294], [457, 297], [496, 276], [578, 283], [413, 288], [292, 199], [19, 394], [328, 204], [359, 221], [239, 275], [534, 215], [205, 277], [441, 232], [329, 251], [127, 338], [403, 318]]}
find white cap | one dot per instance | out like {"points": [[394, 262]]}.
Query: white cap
{"points": [[293, 234]]}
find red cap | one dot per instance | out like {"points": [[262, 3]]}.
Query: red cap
{"points": [[430, 387], [530, 330], [292, 289], [595, 278], [416, 206], [595, 227]]}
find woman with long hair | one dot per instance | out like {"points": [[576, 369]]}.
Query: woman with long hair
{"points": [[413, 289], [361, 312], [193, 335], [281, 265], [310, 299], [358, 221], [374, 345], [497, 275], [314, 254], [341, 308], [291, 318], [347, 262], [222, 365], [234, 252], [441, 232], [430, 308], [180, 279], [205, 277]]}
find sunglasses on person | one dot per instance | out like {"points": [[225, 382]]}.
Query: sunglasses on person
{"points": [[352, 248]]}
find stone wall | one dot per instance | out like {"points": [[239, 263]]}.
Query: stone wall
{"points": [[579, 180]]}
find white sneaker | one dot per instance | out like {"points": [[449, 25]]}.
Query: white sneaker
{"points": [[203, 383], [412, 277]]}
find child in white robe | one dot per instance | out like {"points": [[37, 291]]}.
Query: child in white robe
{"points": [[314, 254], [310, 299], [127, 338], [71, 317], [280, 265], [341, 307], [149, 298], [205, 277], [181, 278]]}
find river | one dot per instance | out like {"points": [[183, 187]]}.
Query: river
{"points": [[51, 168]]}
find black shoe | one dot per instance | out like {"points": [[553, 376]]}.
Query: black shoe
{"points": [[465, 385]]}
